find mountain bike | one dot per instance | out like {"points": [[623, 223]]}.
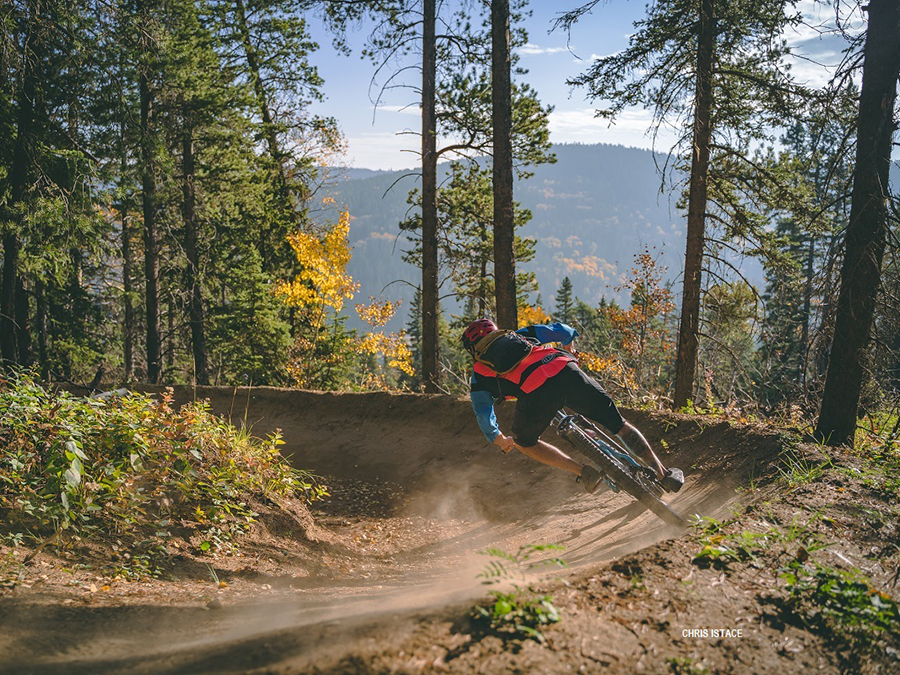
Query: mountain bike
{"points": [[621, 470]]}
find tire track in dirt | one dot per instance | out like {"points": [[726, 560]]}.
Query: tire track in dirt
{"points": [[447, 476]]}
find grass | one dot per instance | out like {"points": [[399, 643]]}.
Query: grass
{"points": [[720, 548], [12, 569], [683, 665], [711, 411], [795, 470], [843, 605], [879, 467]]}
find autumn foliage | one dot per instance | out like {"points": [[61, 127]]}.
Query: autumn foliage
{"points": [[640, 350], [323, 280], [325, 354]]}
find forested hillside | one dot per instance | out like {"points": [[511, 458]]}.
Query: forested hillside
{"points": [[592, 212], [172, 210]]}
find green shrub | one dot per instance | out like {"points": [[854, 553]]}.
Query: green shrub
{"points": [[133, 467], [844, 603], [719, 549]]}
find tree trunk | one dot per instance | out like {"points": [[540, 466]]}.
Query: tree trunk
{"points": [[189, 213], [126, 242], [151, 245], [482, 272], [807, 307], [20, 172], [170, 335], [23, 324], [867, 229], [504, 226], [127, 291], [40, 319], [689, 329], [8, 297], [430, 374]]}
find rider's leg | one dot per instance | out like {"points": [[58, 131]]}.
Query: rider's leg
{"points": [[548, 454], [533, 415], [585, 395]]}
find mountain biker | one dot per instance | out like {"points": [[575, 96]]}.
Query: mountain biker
{"points": [[544, 379]]}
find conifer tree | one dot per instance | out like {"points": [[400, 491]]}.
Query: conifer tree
{"points": [[31, 48], [783, 351], [565, 306], [459, 105], [501, 113], [465, 214], [715, 69], [867, 230]]}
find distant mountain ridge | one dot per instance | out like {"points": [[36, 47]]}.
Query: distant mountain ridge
{"points": [[593, 210]]}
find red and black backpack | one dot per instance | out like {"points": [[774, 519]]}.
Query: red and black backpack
{"points": [[502, 350]]}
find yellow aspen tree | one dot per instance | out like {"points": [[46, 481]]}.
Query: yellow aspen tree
{"points": [[530, 315], [322, 284], [392, 346]]}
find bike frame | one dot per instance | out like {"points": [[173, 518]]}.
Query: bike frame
{"points": [[563, 420], [600, 449], [620, 469]]}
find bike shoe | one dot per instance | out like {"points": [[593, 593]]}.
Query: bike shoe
{"points": [[590, 478], [673, 480]]}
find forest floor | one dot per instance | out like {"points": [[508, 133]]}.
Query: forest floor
{"points": [[794, 563]]}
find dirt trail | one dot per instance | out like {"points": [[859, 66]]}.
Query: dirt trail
{"points": [[443, 494]]}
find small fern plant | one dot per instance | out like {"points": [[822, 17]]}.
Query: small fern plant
{"points": [[520, 611]]}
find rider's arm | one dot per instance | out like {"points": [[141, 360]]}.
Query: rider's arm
{"points": [[553, 332], [483, 405]]}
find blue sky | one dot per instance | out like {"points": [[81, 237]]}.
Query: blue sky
{"points": [[375, 137]]}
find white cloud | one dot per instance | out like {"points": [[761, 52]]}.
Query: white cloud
{"points": [[593, 57], [812, 71], [530, 49], [411, 109], [598, 57], [631, 128], [387, 150], [382, 150], [816, 43]]}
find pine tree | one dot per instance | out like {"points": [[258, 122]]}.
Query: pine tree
{"points": [[729, 322], [414, 331], [455, 96], [593, 326], [50, 227], [565, 307], [465, 211], [783, 350], [429, 349], [867, 230], [31, 45], [502, 112], [720, 65]]}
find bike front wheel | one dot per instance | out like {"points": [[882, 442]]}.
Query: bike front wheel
{"points": [[621, 476]]}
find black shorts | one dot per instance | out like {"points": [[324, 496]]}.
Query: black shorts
{"points": [[571, 388]]}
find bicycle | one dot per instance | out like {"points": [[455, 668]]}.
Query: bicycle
{"points": [[621, 470]]}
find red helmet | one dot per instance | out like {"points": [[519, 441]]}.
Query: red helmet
{"points": [[477, 330]]}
